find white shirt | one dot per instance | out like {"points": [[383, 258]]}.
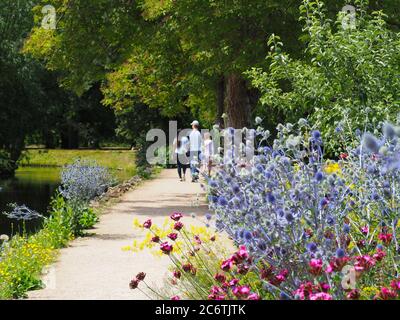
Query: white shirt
{"points": [[184, 146], [208, 149], [195, 140]]}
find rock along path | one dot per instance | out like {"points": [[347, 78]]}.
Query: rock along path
{"points": [[96, 267]]}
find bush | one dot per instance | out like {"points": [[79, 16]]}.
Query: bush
{"points": [[349, 78], [84, 180], [309, 223]]}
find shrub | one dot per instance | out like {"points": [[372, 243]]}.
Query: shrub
{"points": [[84, 180]]}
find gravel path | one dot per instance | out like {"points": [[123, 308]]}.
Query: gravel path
{"points": [[96, 267]]}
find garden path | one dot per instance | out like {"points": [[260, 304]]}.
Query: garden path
{"points": [[96, 267]]}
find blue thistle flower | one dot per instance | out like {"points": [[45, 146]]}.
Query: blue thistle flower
{"points": [[340, 253], [371, 143], [312, 247]]}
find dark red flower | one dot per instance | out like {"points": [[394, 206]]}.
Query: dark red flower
{"points": [[220, 277], [187, 267], [178, 226], [141, 276], [166, 247], [177, 274], [147, 224], [155, 239], [176, 216], [344, 156], [134, 284], [386, 238], [173, 236], [353, 295]]}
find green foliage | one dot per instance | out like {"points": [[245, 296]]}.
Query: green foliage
{"points": [[350, 77], [88, 219]]}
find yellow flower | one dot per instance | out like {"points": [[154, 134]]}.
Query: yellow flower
{"points": [[332, 167]]}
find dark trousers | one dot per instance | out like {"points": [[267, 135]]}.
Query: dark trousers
{"points": [[182, 167]]}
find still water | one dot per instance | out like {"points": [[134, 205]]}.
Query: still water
{"points": [[34, 188]]}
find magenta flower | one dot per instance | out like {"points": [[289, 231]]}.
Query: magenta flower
{"points": [[147, 224], [178, 226], [386, 238], [242, 291], [316, 266], [166, 247], [227, 265], [386, 294], [320, 296], [176, 298], [253, 296], [173, 236], [233, 282], [365, 229], [177, 274], [176, 216], [155, 239]]}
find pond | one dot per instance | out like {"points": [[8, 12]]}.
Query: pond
{"points": [[34, 188]]}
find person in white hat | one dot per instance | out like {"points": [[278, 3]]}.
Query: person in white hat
{"points": [[195, 140]]}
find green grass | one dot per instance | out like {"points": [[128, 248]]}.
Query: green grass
{"points": [[121, 162]]}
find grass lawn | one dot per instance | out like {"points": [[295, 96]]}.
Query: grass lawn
{"points": [[112, 159]]}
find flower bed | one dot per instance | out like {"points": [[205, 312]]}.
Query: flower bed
{"points": [[307, 227]]}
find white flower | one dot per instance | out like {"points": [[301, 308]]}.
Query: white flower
{"points": [[258, 120]]}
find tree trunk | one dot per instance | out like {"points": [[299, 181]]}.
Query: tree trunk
{"points": [[237, 102], [220, 101]]}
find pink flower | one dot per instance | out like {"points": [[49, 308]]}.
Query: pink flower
{"points": [[324, 287], [173, 236], [242, 253], [216, 290], [166, 247], [386, 238], [176, 298], [178, 226], [395, 284], [316, 266], [227, 265], [147, 224], [242, 291], [379, 255], [176, 216], [365, 229], [386, 294], [233, 282], [253, 296], [320, 296]]}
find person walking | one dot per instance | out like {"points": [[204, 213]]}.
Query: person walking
{"points": [[180, 151], [195, 142], [208, 152]]}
